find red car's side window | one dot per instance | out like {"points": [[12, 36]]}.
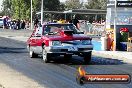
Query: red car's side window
{"points": [[37, 31]]}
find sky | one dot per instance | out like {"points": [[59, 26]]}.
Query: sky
{"points": [[62, 0], [65, 0]]}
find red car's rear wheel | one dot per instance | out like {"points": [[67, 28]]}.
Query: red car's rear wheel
{"points": [[31, 53]]}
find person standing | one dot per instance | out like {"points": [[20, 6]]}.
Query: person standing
{"points": [[75, 21], [5, 23], [18, 24], [23, 24], [36, 22]]}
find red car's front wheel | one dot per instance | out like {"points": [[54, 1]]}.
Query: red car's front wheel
{"points": [[45, 56]]}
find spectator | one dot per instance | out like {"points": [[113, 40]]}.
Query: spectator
{"points": [[75, 22], [18, 24], [61, 21], [15, 24], [36, 22], [23, 24], [5, 23], [27, 25]]}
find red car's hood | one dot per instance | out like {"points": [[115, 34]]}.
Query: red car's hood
{"points": [[67, 38]]}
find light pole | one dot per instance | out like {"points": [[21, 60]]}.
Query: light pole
{"points": [[115, 19], [31, 16], [42, 5]]}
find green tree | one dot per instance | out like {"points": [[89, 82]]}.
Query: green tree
{"points": [[21, 8], [51, 5], [6, 7], [62, 7], [73, 4], [96, 4]]}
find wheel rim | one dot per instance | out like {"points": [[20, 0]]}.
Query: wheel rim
{"points": [[44, 55], [30, 52]]}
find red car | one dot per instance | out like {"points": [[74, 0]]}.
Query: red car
{"points": [[55, 39]]}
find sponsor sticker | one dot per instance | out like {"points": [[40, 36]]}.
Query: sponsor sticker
{"points": [[83, 78]]}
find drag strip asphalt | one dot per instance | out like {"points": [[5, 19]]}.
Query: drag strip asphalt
{"points": [[60, 73]]}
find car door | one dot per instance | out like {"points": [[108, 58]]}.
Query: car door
{"points": [[32, 41], [38, 40]]}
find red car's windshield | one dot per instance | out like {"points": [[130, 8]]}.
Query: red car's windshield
{"points": [[56, 28]]}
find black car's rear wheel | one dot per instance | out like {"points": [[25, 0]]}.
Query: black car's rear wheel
{"points": [[87, 58], [67, 57]]}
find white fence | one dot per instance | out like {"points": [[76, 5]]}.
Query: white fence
{"points": [[93, 29]]}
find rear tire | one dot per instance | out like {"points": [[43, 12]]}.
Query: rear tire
{"points": [[32, 54], [80, 80], [67, 57], [87, 58]]}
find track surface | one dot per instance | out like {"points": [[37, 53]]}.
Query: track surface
{"points": [[58, 74]]}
